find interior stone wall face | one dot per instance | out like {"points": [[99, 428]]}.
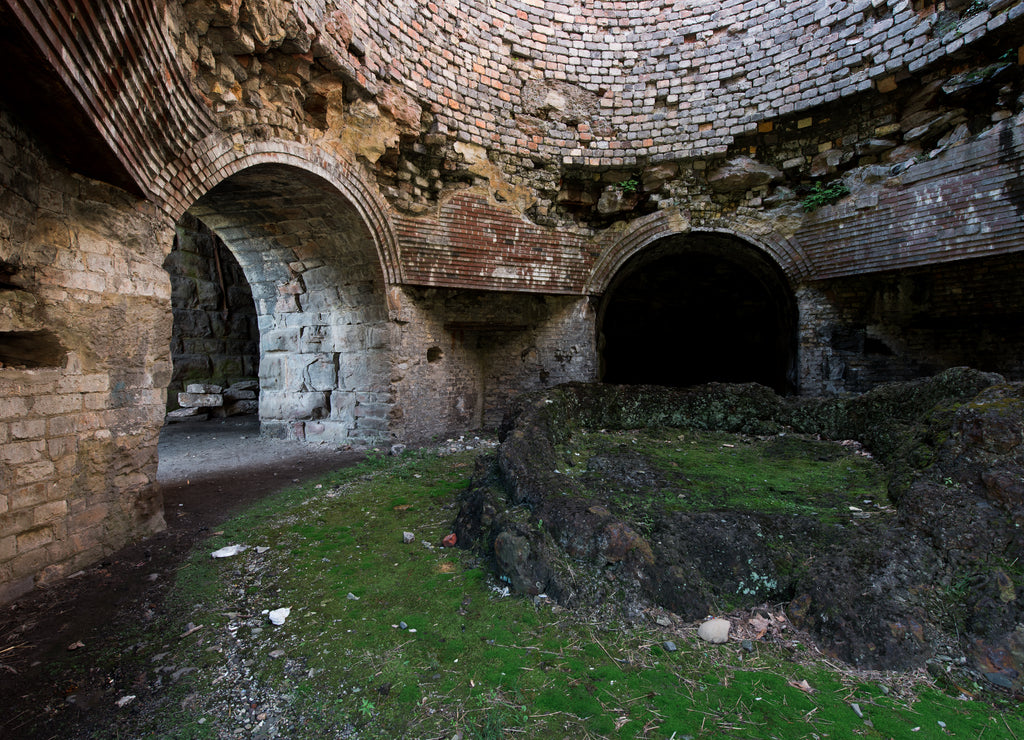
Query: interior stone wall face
{"points": [[462, 355], [79, 421], [216, 335]]}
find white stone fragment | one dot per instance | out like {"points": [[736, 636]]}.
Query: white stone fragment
{"points": [[229, 551], [715, 631], [277, 616]]}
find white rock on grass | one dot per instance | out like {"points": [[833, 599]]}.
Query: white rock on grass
{"points": [[277, 616], [715, 631], [229, 551]]}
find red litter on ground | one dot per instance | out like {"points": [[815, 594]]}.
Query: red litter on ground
{"points": [[448, 541]]}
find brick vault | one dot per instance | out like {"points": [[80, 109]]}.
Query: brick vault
{"points": [[436, 206]]}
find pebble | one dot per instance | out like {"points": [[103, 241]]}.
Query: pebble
{"points": [[408, 538], [403, 626], [747, 645], [229, 551], [279, 615], [669, 646], [279, 653], [352, 597], [715, 631]]}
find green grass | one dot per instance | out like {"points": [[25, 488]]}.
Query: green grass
{"points": [[705, 471], [477, 663]]}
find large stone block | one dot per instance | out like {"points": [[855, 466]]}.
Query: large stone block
{"points": [[200, 400], [285, 405]]}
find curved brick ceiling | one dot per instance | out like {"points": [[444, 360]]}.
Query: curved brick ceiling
{"points": [[655, 79]]}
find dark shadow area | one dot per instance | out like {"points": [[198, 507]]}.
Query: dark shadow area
{"points": [[216, 337], [697, 309]]}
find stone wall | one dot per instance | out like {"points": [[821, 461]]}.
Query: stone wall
{"points": [[216, 337], [463, 355], [914, 323], [84, 344]]}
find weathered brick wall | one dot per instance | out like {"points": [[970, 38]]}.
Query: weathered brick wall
{"points": [[85, 338], [216, 337], [462, 355], [916, 322]]}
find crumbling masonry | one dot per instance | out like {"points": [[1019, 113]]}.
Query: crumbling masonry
{"points": [[439, 205]]}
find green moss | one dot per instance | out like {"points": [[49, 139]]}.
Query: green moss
{"points": [[480, 664], [703, 471]]}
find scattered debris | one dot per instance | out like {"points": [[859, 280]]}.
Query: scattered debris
{"points": [[189, 629], [669, 646], [76, 645], [229, 552], [408, 538], [449, 540], [278, 616], [352, 597], [125, 701]]}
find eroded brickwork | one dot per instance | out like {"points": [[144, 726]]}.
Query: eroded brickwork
{"points": [[85, 339]]}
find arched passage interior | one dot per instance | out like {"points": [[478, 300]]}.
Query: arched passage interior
{"points": [[318, 289], [215, 338], [698, 308]]}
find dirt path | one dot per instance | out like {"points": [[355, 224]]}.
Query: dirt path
{"points": [[208, 470]]}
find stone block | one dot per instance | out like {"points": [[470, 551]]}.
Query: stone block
{"points": [[33, 472], [8, 547], [203, 388], [236, 408], [29, 496], [200, 400], [321, 373], [28, 429], [34, 538], [238, 395], [49, 511], [293, 405], [184, 414]]}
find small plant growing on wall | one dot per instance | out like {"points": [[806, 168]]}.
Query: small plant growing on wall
{"points": [[631, 185], [823, 195]]}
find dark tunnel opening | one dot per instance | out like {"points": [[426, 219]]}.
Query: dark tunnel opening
{"points": [[699, 308]]}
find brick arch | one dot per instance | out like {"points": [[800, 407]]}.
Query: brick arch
{"points": [[318, 252], [644, 232], [686, 306], [218, 157]]}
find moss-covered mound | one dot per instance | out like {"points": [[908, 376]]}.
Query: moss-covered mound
{"points": [[890, 523]]}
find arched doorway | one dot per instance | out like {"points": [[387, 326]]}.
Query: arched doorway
{"points": [[318, 288], [695, 308]]}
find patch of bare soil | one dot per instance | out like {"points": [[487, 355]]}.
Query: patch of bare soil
{"points": [[208, 471]]}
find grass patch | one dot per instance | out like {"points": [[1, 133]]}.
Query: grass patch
{"points": [[469, 660], [706, 471]]}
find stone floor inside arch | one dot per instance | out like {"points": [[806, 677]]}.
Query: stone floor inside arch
{"points": [[383, 225]]}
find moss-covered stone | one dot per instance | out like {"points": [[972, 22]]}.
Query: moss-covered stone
{"points": [[615, 502]]}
